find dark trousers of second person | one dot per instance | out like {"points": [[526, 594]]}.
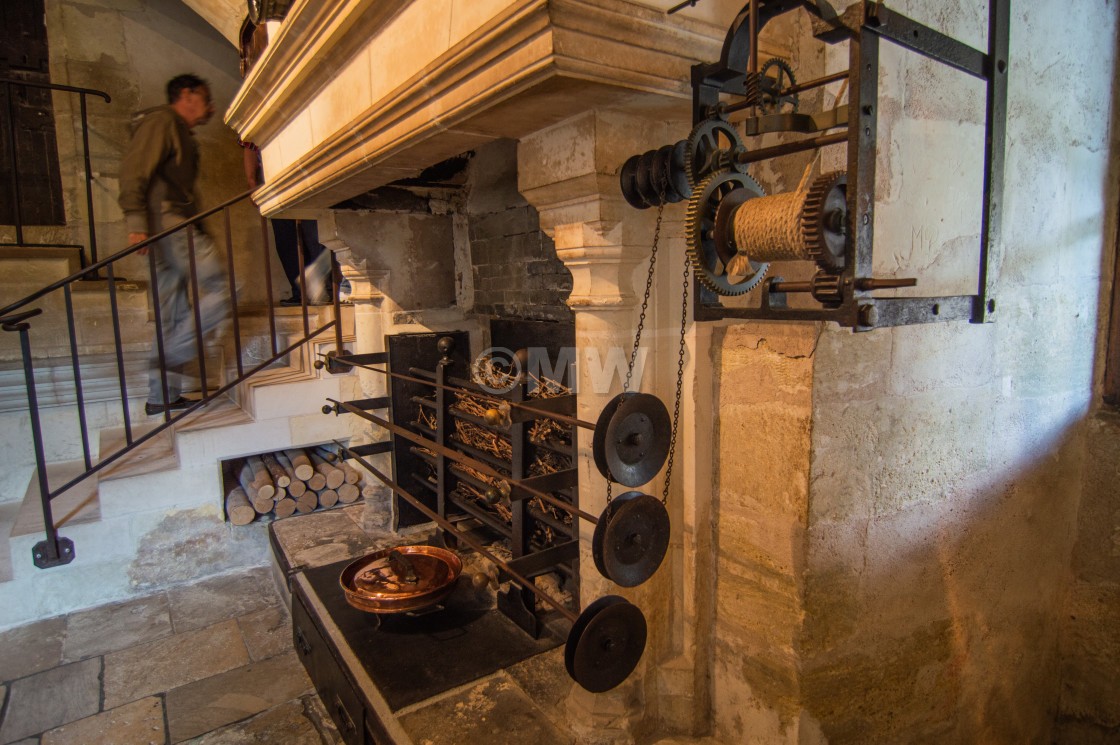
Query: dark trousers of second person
{"points": [[287, 248]]}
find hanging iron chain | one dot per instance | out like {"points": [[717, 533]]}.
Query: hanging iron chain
{"points": [[680, 383], [645, 299], [641, 318]]}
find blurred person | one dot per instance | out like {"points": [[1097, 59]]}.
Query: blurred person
{"points": [[158, 179]]}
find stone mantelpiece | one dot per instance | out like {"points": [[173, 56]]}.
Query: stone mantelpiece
{"points": [[345, 99]]}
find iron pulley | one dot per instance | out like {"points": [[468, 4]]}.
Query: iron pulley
{"points": [[605, 643], [632, 437], [631, 538]]}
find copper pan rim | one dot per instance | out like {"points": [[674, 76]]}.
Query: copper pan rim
{"points": [[437, 568]]}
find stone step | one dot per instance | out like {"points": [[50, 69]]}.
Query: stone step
{"points": [[44, 264], [168, 492], [77, 505], [93, 318]]}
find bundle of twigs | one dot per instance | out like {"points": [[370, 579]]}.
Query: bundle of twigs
{"points": [[487, 373]]}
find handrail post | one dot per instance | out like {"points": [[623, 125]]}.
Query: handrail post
{"points": [[17, 200], [300, 248], [336, 282], [52, 551], [89, 188]]}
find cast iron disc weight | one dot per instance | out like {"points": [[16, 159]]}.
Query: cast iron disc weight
{"points": [[637, 439], [599, 437], [605, 643], [635, 539], [580, 626], [598, 540]]}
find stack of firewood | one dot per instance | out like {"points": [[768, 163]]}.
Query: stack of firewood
{"points": [[289, 481]]}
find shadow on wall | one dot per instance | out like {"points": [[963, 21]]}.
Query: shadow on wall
{"points": [[943, 620], [1089, 707]]}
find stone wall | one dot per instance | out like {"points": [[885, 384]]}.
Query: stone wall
{"points": [[130, 50], [515, 270], [921, 593], [1089, 705]]}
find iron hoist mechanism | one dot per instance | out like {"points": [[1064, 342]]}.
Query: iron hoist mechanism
{"points": [[735, 230]]}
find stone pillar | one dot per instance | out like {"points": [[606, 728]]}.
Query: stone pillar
{"points": [[569, 173], [370, 309]]}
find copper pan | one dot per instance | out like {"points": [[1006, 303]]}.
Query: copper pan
{"points": [[400, 579]]}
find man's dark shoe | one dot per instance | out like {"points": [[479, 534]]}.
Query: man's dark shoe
{"points": [[289, 302], [179, 403]]}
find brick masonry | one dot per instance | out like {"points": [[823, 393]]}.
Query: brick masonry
{"points": [[515, 270]]}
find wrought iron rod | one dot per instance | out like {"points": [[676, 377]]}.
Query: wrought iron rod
{"points": [[200, 344], [160, 356], [752, 65], [336, 281], [120, 353], [731, 108], [168, 421], [36, 433], [233, 293], [89, 184], [463, 459], [268, 284], [302, 280], [458, 389], [148, 242], [14, 180], [450, 527], [752, 156], [57, 87], [79, 395]]}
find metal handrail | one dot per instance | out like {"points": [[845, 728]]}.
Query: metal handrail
{"points": [[55, 550], [14, 180], [80, 274]]}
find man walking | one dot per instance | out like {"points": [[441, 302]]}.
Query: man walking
{"points": [[157, 192]]}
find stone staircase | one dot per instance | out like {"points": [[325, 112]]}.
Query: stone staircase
{"points": [[153, 518]]}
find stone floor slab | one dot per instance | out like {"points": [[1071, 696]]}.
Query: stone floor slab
{"points": [[205, 705], [30, 649], [220, 598], [319, 538], [137, 723], [495, 710], [110, 628], [51, 698], [291, 723], [267, 633], [544, 679], [161, 665]]}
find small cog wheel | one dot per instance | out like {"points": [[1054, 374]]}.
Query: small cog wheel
{"points": [[827, 289], [824, 221], [705, 144], [708, 232], [771, 86]]}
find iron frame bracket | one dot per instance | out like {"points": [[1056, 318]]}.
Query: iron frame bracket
{"points": [[863, 25]]}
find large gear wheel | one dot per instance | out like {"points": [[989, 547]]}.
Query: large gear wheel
{"points": [[707, 231], [705, 143], [770, 87], [824, 221]]}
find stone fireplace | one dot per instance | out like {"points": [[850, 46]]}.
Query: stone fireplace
{"points": [[870, 532]]}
